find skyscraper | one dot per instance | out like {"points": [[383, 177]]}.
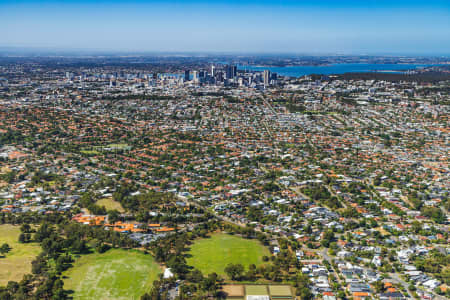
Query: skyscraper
{"points": [[233, 71], [228, 72], [195, 76], [186, 75], [266, 78], [213, 70], [219, 76]]}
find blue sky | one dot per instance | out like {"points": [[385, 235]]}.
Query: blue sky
{"points": [[315, 27]]}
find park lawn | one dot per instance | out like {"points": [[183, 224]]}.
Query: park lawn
{"points": [[90, 152], [115, 274], [215, 253], [17, 262], [119, 146], [110, 204]]}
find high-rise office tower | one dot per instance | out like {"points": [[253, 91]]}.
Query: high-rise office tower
{"points": [[213, 70], [219, 77], [266, 77], [195, 76], [274, 76], [186, 75], [228, 71], [233, 71]]}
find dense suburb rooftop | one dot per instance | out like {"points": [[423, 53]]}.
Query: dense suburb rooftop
{"points": [[172, 180], [233, 150]]}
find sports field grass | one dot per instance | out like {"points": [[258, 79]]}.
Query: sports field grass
{"points": [[90, 152], [119, 146], [280, 290], [215, 253], [256, 290], [17, 262], [116, 274], [110, 204]]}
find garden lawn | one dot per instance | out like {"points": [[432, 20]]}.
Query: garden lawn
{"points": [[17, 262], [90, 152], [215, 253], [118, 146], [110, 204], [115, 274]]}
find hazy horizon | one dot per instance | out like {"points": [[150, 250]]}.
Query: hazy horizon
{"points": [[257, 27], [57, 51]]}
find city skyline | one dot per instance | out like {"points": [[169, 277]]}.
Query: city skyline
{"points": [[347, 27]]}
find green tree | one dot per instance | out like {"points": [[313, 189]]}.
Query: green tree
{"points": [[234, 271], [5, 248]]}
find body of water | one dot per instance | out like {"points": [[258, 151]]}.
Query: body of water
{"points": [[299, 71]]}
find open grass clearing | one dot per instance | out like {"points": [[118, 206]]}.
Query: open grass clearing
{"points": [[110, 204], [17, 262], [215, 253], [117, 274], [119, 146], [90, 152]]}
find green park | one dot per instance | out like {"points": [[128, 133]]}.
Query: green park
{"points": [[17, 261], [115, 274], [213, 254]]}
